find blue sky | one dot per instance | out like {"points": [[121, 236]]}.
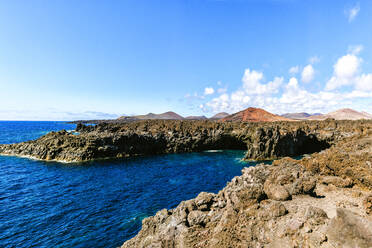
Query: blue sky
{"points": [[64, 60]]}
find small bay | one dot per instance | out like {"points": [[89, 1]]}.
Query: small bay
{"points": [[100, 203]]}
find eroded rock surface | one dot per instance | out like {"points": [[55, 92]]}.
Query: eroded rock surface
{"points": [[322, 200], [263, 141]]}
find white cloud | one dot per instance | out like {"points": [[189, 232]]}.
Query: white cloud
{"points": [[307, 74], [278, 96], [345, 71], [352, 12], [208, 91], [347, 66], [252, 83], [294, 69], [364, 82]]}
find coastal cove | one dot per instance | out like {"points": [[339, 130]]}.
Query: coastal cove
{"points": [[99, 203]]}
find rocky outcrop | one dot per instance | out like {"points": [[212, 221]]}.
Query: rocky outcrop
{"points": [[321, 200], [317, 201], [263, 141]]}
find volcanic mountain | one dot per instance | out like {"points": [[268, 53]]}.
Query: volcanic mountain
{"points": [[343, 114], [151, 116], [201, 117], [299, 116], [296, 116], [219, 116], [254, 115]]}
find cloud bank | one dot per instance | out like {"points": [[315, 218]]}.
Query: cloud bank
{"points": [[348, 86]]}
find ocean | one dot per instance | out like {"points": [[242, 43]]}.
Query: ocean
{"points": [[101, 203]]}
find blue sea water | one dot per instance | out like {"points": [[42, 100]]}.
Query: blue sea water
{"points": [[96, 204]]}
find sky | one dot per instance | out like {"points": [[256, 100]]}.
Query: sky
{"points": [[86, 59]]}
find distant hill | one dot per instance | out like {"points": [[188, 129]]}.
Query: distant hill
{"points": [[201, 117], [151, 116], [299, 116], [342, 114], [219, 116], [296, 116], [254, 115]]}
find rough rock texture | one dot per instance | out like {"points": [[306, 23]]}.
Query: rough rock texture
{"points": [[263, 141], [322, 200]]}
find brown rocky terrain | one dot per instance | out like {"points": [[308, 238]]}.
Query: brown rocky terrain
{"points": [[263, 141], [322, 200], [254, 115]]}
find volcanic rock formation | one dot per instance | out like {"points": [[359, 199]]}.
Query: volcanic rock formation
{"points": [[254, 115], [323, 200], [263, 141]]}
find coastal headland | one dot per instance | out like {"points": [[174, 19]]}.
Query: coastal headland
{"points": [[261, 140], [323, 199]]}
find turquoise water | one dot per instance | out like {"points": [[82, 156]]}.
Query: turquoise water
{"points": [[96, 204]]}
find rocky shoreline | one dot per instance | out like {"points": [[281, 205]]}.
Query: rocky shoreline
{"points": [[262, 141], [322, 200]]}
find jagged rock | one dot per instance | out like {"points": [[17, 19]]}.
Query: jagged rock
{"points": [[276, 191], [204, 201], [268, 205], [246, 214], [287, 179], [196, 217], [262, 141]]}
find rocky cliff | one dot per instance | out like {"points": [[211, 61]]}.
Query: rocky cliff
{"points": [[322, 200], [262, 141]]}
